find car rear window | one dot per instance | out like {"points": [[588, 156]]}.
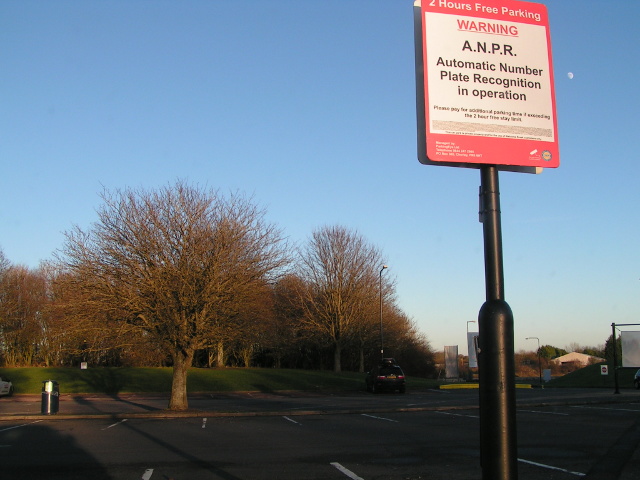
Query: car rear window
{"points": [[390, 371]]}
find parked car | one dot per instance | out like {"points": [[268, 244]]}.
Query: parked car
{"points": [[387, 375], [636, 380], [6, 387]]}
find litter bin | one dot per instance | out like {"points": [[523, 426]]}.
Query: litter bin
{"points": [[50, 397]]}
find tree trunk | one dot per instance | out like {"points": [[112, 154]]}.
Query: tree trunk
{"points": [[361, 367], [220, 362], [181, 362], [278, 360], [337, 364], [247, 354]]}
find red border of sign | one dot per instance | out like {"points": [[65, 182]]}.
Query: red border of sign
{"points": [[495, 150]]}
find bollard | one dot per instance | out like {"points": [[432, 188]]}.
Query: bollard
{"points": [[50, 397]]}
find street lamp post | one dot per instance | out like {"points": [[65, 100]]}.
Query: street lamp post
{"points": [[539, 360], [381, 334]]}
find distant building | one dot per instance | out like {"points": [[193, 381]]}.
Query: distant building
{"points": [[577, 358]]}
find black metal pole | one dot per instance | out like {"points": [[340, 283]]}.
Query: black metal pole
{"points": [[615, 359], [539, 359], [381, 334], [540, 367], [498, 440]]}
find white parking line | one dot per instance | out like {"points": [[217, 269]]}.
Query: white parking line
{"points": [[147, 474], [380, 418], [545, 413], [459, 415], [19, 426], [607, 408], [346, 471], [291, 420], [549, 467], [424, 403], [114, 424]]}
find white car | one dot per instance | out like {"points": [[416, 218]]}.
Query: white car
{"points": [[6, 387]]}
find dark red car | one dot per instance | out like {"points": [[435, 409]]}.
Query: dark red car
{"points": [[386, 376]]}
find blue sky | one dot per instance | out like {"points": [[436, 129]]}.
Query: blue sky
{"points": [[310, 108]]}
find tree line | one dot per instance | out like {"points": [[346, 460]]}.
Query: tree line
{"points": [[183, 276]]}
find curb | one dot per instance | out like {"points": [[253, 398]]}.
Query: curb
{"points": [[164, 414], [461, 386]]}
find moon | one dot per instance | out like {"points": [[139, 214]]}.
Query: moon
{"points": [[570, 75]]}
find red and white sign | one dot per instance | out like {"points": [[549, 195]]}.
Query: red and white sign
{"points": [[488, 84]]}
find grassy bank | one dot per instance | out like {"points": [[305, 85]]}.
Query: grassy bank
{"points": [[158, 380], [591, 377]]}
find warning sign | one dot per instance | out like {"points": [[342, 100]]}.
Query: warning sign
{"points": [[486, 92]]}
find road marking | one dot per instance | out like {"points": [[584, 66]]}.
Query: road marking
{"points": [[204, 423], [114, 424], [459, 415], [545, 413], [20, 426], [291, 420], [424, 403], [606, 408], [549, 467], [147, 474], [380, 418], [346, 471]]}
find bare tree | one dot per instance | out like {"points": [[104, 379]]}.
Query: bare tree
{"points": [[251, 324], [22, 304], [4, 263], [285, 335], [177, 264], [340, 270]]}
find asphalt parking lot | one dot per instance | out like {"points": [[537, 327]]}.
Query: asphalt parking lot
{"points": [[562, 434]]}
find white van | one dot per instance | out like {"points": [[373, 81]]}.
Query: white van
{"points": [[6, 387]]}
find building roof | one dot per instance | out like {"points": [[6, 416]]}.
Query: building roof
{"points": [[575, 357]]}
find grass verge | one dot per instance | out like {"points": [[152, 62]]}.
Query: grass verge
{"points": [[111, 380], [591, 377]]}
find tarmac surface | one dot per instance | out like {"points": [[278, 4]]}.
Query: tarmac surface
{"points": [[77, 406], [131, 405], [625, 450]]}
